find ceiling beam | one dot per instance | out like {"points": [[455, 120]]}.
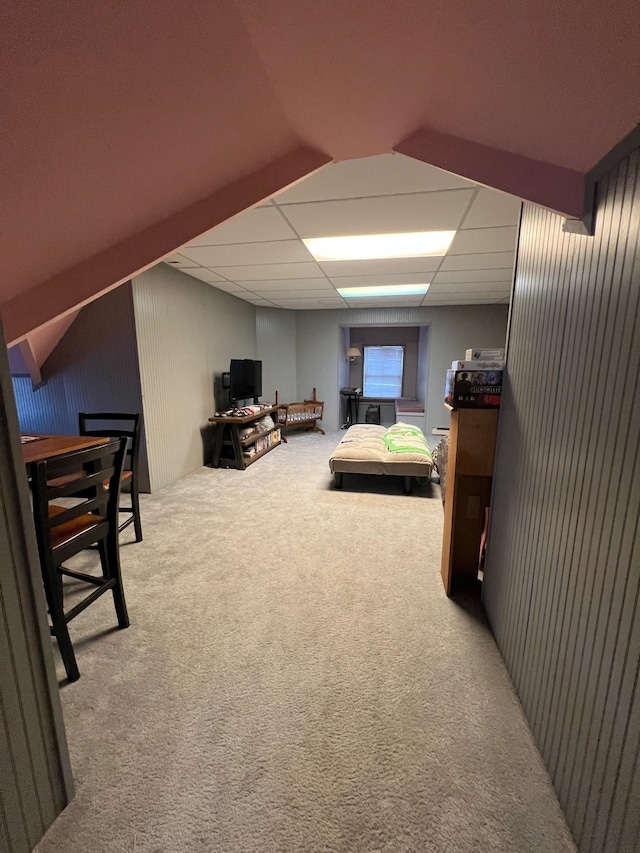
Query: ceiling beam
{"points": [[76, 287], [555, 187]]}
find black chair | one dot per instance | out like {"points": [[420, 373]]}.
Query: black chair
{"points": [[64, 531], [126, 426]]}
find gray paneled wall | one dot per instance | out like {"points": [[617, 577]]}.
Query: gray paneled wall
{"points": [[187, 333], [276, 343], [318, 350], [451, 331], [93, 368], [562, 578], [35, 775]]}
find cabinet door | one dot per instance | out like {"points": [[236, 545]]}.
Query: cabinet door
{"points": [[472, 445]]}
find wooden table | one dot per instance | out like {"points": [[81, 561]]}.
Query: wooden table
{"points": [[47, 446]]}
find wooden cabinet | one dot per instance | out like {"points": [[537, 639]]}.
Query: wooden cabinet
{"points": [[472, 446], [232, 449]]}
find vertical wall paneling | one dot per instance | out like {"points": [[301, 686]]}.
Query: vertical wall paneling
{"points": [[35, 775], [422, 373], [187, 331], [276, 347], [562, 576], [451, 331], [319, 357], [93, 368]]}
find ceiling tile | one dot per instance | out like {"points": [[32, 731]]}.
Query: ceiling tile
{"points": [[203, 274], [179, 261], [386, 302], [455, 298], [228, 286], [488, 260], [366, 280], [440, 211], [309, 304], [380, 267], [265, 272], [473, 275], [251, 297], [436, 303], [484, 240], [242, 254], [257, 256], [276, 295], [491, 208], [385, 174], [458, 298], [290, 285], [472, 287], [260, 223]]}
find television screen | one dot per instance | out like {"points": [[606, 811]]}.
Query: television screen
{"points": [[245, 378]]}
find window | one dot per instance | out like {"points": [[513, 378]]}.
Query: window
{"points": [[383, 371]]}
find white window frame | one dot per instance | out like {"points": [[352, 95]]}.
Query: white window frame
{"points": [[368, 391]]}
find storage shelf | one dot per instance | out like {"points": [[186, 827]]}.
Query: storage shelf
{"points": [[228, 436], [250, 439], [249, 460]]}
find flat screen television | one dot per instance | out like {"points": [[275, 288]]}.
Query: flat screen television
{"points": [[245, 379]]}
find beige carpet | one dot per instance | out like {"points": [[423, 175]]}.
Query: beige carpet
{"points": [[294, 679]]}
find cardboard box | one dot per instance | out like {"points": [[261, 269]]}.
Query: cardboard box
{"points": [[485, 364], [482, 354], [473, 389]]}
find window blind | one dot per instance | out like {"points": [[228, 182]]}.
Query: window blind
{"points": [[383, 371]]}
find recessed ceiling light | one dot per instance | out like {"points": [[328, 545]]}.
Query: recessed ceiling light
{"points": [[363, 247], [383, 290]]}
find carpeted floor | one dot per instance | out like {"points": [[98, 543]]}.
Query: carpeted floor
{"points": [[294, 679]]}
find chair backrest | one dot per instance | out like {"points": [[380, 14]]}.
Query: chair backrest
{"points": [[92, 467], [115, 425]]}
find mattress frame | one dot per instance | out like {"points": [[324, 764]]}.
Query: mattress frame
{"points": [[381, 461]]}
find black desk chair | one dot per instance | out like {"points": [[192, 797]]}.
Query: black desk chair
{"points": [[127, 426], [64, 531]]}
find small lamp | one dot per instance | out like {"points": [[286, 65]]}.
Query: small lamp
{"points": [[353, 353]]}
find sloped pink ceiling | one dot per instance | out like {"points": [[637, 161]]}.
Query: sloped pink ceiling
{"points": [[36, 348], [126, 126], [552, 81]]}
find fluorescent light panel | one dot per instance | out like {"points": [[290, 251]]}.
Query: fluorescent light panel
{"points": [[383, 290], [363, 247]]}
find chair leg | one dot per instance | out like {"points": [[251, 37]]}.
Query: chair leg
{"points": [[135, 505], [60, 629], [112, 570]]}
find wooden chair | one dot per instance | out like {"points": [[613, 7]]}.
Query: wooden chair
{"points": [[130, 428], [63, 531]]}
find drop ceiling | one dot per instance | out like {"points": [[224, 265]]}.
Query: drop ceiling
{"points": [[259, 255]]}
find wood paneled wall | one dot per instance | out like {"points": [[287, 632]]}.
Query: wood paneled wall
{"points": [[562, 578], [35, 775]]}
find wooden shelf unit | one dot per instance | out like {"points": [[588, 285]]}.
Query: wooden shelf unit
{"points": [[228, 435], [472, 446]]}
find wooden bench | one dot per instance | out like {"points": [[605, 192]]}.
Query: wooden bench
{"points": [[304, 415]]}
